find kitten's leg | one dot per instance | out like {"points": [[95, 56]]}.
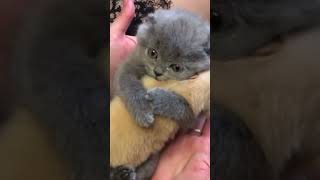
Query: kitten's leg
{"points": [[146, 170], [171, 105], [143, 172], [122, 173], [132, 92]]}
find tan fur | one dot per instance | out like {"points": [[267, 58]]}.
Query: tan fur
{"points": [[131, 144]]}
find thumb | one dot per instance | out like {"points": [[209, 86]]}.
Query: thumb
{"points": [[198, 168], [122, 22]]}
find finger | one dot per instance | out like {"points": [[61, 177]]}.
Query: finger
{"points": [[198, 162], [133, 39], [122, 22]]}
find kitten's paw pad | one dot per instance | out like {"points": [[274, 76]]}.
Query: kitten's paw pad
{"points": [[125, 173]]}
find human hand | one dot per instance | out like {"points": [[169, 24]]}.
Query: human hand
{"points": [[121, 45], [187, 158]]}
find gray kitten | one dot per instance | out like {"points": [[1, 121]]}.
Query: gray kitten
{"points": [[172, 44]]}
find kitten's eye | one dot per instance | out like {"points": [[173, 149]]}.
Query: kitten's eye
{"points": [[176, 67], [152, 53]]}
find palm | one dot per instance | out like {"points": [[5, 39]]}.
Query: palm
{"points": [[122, 45]]}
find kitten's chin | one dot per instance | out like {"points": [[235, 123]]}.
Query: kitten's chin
{"points": [[161, 78], [151, 75]]}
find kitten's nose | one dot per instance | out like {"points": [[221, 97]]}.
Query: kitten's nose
{"points": [[157, 73]]}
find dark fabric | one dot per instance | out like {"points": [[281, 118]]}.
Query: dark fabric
{"points": [[236, 154], [143, 8]]}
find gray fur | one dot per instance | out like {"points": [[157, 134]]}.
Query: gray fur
{"points": [[130, 89], [171, 105], [146, 170], [178, 37], [143, 172], [122, 173]]}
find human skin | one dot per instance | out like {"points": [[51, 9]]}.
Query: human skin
{"points": [[121, 45]]}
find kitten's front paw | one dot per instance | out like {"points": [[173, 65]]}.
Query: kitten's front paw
{"points": [[160, 99], [145, 119], [170, 105], [144, 114], [124, 173]]}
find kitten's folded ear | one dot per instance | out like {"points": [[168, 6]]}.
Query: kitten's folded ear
{"points": [[146, 26], [149, 19]]}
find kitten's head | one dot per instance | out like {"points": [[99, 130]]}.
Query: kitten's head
{"points": [[174, 44]]}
